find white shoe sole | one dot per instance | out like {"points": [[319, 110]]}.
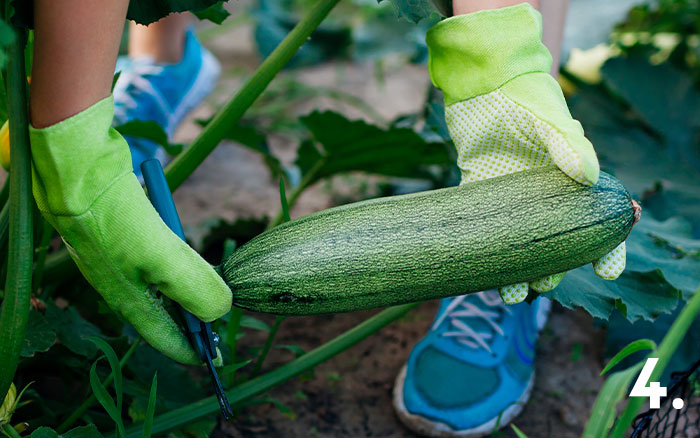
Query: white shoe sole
{"points": [[426, 427]]}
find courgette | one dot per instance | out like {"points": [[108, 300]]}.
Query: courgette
{"points": [[381, 252]]}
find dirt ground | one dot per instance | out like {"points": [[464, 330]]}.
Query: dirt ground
{"points": [[350, 395]]}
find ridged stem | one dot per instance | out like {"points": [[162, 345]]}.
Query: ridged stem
{"points": [[306, 181], [228, 116], [268, 344], [15, 306], [209, 405]]}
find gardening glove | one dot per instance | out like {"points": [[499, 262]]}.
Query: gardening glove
{"points": [[84, 186], [506, 113]]}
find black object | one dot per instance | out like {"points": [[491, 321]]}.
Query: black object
{"points": [[668, 422]]}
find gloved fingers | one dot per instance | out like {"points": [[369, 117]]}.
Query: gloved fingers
{"points": [[547, 283], [610, 266], [575, 156], [146, 313], [514, 293], [185, 277], [158, 257]]}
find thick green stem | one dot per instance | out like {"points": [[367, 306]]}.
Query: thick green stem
{"points": [[10, 431], [209, 405], [15, 306], [87, 403], [668, 346], [267, 346], [186, 163]]}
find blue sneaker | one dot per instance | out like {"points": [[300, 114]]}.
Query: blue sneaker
{"points": [[473, 371], [164, 93]]}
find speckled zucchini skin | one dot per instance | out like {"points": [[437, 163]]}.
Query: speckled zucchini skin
{"points": [[434, 244]]}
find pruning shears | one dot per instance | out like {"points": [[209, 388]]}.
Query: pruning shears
{"points": [[200, 334]]}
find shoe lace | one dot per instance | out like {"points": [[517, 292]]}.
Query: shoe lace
{"points": [[461, 309], [131, 82]]}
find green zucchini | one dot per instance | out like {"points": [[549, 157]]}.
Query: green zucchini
{"points": [[434, 244]]}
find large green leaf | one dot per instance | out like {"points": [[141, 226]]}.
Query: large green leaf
{"points": [[89, 431], [341, 145], [215, 13], [661, 262], [636, 295], [652, 169], [416, 10], [668, 247], [72, 330], [39, 336], [148, 11], [662, 95]]}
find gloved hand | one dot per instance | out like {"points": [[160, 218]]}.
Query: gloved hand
{"points": [[84, 186], [506, 113]]}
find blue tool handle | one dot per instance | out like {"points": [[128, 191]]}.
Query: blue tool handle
{"points": [[159, 193], [162, 200]]}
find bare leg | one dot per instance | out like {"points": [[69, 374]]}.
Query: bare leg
{"points": [[73, 65], [164, 40], [462, 7], [553, 18]]}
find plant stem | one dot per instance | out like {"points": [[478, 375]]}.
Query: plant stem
{"points": [[232, 329], [268, 345], [87, 403], [668, 346], [15, 306], [10, 431], [186, 414], [5, 192], [46, 233], [310, 178], [228, 116]]}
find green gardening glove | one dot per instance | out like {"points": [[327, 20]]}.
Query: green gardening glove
{"points": [[84, 186], [506, 113]]}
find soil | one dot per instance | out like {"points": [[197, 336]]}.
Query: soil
{"points": [[350, 395]]}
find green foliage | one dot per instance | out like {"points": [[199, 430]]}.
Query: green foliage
{"points": [[39, 336], [149, 130], [416, 10], [614, 390], [394, 151], [72, 330], [276, 19], [89, 431], [644, 123], [148, 11], [215, 13], [631, 348]]}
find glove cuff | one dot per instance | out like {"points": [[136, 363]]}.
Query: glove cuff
{"points": [[76, 159], [474, 54]]}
